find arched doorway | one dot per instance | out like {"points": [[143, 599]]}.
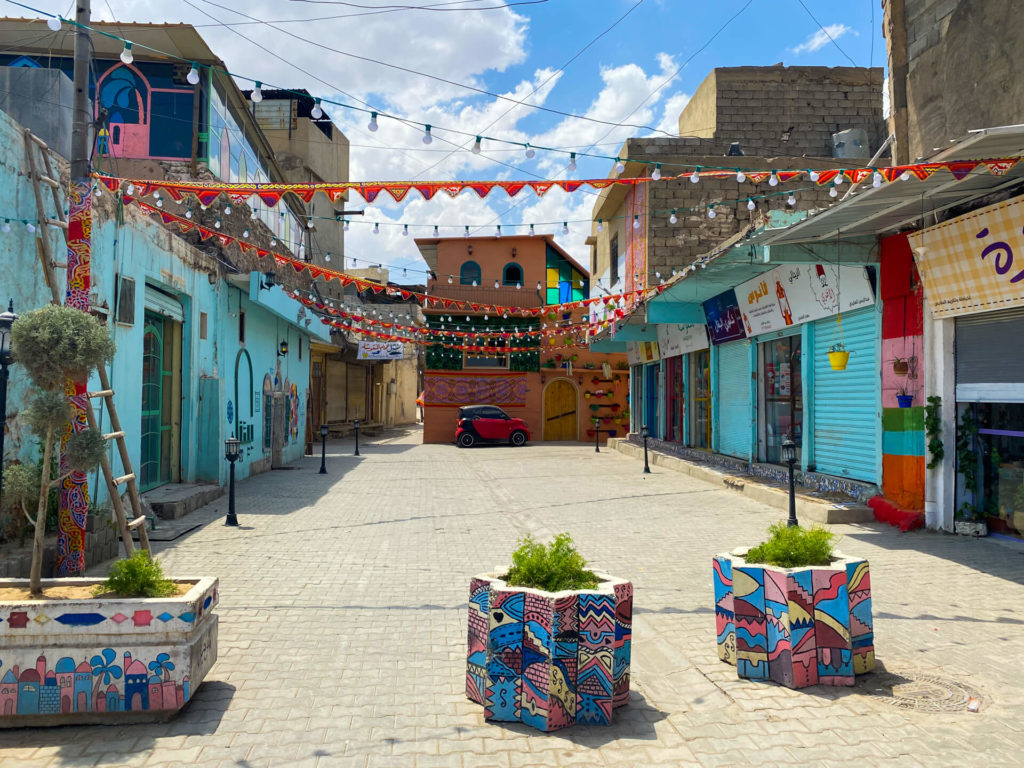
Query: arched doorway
{"points": [[561, 417]]}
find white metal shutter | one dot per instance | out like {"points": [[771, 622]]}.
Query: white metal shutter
{"points": [[847, 416], [163, 304], [989, 365], [734, 408]]}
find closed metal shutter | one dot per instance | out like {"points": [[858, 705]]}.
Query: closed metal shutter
{"points": [[847, 416], [989, 365], [734, 407], [163, 304]]}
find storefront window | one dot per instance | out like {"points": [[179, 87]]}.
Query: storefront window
{"points": [[783, 396], [676, 404], [1000, 453], [700, 386]]}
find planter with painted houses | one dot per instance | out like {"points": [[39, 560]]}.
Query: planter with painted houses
{"points": [[795, 626], [102, 660], [549, 659]]}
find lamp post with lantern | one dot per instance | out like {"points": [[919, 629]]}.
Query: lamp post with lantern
{"points": [[647, 466], [789, 456], [231, 453], [6, 358], [323, 449]]}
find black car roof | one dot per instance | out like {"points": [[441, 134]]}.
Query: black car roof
{"points": [[477, 407]]}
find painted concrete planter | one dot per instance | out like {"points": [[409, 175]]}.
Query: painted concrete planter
{"points": [[795, 626], [970, 528], [103, 660], [549, 659]]}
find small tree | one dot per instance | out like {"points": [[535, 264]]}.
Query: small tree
{"points": [[55, 344]]}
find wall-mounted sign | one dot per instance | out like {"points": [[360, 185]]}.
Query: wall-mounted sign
{"points": [[975, 262], [640, 352], [725, 323], [679, 339], [380, 350], [792, 294]]}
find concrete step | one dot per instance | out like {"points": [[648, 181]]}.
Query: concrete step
{"points": [[176, 500], [808, 508]]}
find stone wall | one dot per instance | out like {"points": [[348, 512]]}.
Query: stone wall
{"points": [[955, 67], [102, 543]]}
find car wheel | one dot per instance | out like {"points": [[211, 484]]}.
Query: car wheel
{"points": [[518, 438], [467, 440]]}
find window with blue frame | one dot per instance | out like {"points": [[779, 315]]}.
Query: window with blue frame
{"points": [[469, 273], [512, 274]]}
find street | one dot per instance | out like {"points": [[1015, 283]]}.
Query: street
{"points": [[343, 625]]}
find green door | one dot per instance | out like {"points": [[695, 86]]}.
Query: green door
{"points": [[155, 468]]}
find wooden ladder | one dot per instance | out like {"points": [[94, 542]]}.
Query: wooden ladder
{"points": [[47, 177]]}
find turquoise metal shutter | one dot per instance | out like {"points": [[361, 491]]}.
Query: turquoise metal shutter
{"points": [[846, 403], [734, 411]]}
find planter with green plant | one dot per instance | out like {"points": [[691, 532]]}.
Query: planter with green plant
{"points": [[130, 648], [904, 399], [933, 430], [549, 639], [969, 519], [838, 357], [794, 611]]}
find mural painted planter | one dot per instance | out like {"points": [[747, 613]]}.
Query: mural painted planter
{"points": [[104, 660], [549, 659], [795, 626]]}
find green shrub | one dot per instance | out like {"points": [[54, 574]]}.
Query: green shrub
{"points": [[137, 576], [55, 342], [552, 568], [794, 547]]}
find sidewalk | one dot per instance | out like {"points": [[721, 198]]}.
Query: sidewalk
{"points": [[343, 626]]}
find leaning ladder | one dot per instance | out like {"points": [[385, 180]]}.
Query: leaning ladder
{"points": [[34, 144]]}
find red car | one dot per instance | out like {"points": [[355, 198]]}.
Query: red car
{"points": [[488, 424]]}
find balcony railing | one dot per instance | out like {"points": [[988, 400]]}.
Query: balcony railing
{"points": [[505, 296]]}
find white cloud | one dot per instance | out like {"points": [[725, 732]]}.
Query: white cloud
{"points": [[822, 37]]}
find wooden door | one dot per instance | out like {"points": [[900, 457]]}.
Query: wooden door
{"points": [[560, 411]]}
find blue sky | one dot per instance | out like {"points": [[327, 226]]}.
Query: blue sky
{"points": [[510, 51]]}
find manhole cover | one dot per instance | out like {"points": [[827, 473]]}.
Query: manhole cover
{"points": [[924, 693]]}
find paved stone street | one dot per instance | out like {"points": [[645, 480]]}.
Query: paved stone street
{"points": [[343, 626]]}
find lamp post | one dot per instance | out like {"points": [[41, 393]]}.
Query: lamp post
{"points": [[357, 437], [231, 453], [647, 467], [789, 456], [6, 321], [323, 449], [597, 436]]}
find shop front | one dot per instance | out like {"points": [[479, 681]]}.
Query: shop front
{"points": [[972, 268], [684, 348]]}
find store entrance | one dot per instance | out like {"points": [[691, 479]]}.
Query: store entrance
{"points": [[781, 396], [990, 461]]}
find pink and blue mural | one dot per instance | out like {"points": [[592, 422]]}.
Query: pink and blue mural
{"points": [[795, 626], [549, 660]]}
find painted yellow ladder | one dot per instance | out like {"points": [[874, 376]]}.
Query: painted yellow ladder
{"points": [[47, 177]]}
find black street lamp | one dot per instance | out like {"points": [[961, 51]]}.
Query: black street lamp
{"points": [[6, 358], [789, 456], [647, 466], [231, 453], [323, 449], [357, 437], [597, 436]]}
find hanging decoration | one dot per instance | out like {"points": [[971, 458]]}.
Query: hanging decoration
{"points": [[271, 193]]}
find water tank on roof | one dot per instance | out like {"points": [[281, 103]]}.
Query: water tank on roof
{"points": [[851, 144]]}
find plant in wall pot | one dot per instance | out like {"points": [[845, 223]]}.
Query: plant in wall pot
{"points": [[900, 366], [903, 398], [549, 639], [838, 357], [793, 610]]}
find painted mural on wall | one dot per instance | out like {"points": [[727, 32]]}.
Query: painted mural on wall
{"points": [[293, 417], [635, 228], [798, 293], [106, 682], [549, 660], [455, 389], [795, 626]]}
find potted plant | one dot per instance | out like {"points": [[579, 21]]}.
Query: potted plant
{"points": [[793, 610], [969, 521], [903, 398], [622, 365], [900, 366], [838, 357], [933, 430], [61, 650], [589, 365], [549, 640]]}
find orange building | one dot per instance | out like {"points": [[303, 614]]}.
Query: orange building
{"points": [[553, 381]]}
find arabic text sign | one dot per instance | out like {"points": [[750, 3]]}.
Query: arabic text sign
{"points": [[725, 323], [792, 294], [679, 339], [975, 262], [380, 350], [638, 352]]}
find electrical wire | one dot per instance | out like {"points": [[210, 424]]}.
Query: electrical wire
{"points": [[802, 5]]}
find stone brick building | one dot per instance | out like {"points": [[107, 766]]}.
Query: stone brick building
{"points": [[780, 117]]}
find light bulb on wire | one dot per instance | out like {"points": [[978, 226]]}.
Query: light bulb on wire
{"points": [[833, 192], [126, 54], [476, 146], [565, 228], [316, 112], [531, 230], [620, 166], [740, 176], [257, 93], [839, 178], [673, 219], [572, 162], [464, 234], [376, 227], [814, 175], [372, 125], [427, 137], [711, 212], [876, 179], [530, 152], [53, 23], [791, 200], [600, 225], [193, 75], [405, 230], [695, 176], [750, 204], [656, 173], [773, 180], [636, 221]]}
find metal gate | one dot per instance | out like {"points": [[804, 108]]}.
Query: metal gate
{"points": [[847, 408], [735, 413]]}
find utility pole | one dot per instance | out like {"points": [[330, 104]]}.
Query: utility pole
{"points": [[80, 115]]}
